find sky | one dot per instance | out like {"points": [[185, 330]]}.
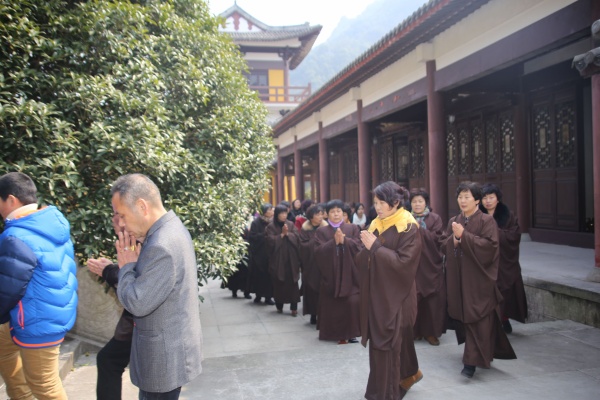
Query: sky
{"points": [[284, 12]]}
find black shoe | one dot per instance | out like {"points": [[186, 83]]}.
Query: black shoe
{"points": [[257, 299], [313, 319], [507, 326], [468, 371], [247, 295], [269, 302], [353, 340], [234, 294]]}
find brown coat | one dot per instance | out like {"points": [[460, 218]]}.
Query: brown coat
{"points": [[311, 278], [388, 309], [472, 268], [388, 296], [284, 263], [430, 281], [339, 287], [510, 280]]}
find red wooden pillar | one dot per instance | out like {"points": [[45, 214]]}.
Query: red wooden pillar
{"points": [[436, 135], [522, 167], [364, 159], [280, 179], [298, 174], [596, 164], [323, 167]]}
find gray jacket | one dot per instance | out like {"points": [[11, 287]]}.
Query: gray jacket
{"points": [[161, 291]]}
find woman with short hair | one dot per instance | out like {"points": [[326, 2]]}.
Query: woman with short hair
{"points": [[336, 244], [260, 280], [510, 280], [470, 245], [388, 299], [284, 263], [430, 279], [311, 279]]}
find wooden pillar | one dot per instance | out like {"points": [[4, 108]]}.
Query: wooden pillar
{"points": [[280, 179], [298, 174], [438, 176], [323, 167], [364, 159], [522, 166], [596, 164], [342, 175]]}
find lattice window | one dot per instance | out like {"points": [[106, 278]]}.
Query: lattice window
{"points": [[387, 161], [402, 161], [491, 145], [542, 137], [463, 149], [351, 166], [507, 129], [477, 146], [334, 171], [565, 135], [421, 155], [413, 151], [451, 150]]}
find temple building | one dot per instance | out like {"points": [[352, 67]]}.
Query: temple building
{"points": [[271, 52], [480, 90]]}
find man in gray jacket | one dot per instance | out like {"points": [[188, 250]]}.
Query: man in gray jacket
{"points": [[158, 285]]}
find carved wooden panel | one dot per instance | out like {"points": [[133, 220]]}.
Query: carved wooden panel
{"points": [[451, 144], [386, 161], [477, 146], [491, 145], [565, 135], [542, 137], [507, 141], [402, 156], [463, 149]]}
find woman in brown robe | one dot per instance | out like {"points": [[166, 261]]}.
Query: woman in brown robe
{"points": [[430, 279], [284, 264], [510, 280], [335, 247], [388, 297], [311, 279], [259, 278], [470, 244]]}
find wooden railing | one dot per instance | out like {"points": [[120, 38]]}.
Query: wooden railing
{"points": [[282, 94]]}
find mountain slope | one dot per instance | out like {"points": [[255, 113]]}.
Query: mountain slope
{"points": [[350, 39]]}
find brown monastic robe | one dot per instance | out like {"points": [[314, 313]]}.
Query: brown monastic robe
{"points": [[388, 309], [510, 280], [260, 280], [311, 278], [430, 281], [473, 298], [338, 292], [284, 263]]}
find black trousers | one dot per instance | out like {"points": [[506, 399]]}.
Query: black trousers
{"points": [[111, 362], [293, 306]]}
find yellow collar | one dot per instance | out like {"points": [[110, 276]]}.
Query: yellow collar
{"points": [[401, 219]]}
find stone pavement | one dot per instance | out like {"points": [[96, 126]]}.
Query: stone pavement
{"points": [[252, 352]]}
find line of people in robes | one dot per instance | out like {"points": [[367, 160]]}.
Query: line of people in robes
{"points": [[397, 278]]}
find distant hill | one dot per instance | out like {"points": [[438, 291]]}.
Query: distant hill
{"points": [[350, 39]]}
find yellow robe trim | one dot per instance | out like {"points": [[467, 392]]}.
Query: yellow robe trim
{"points": [[401, 219]]}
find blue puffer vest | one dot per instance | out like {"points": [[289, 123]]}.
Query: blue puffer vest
{"points": [[48, 309]]}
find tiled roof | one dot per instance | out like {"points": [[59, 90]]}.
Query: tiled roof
{"points": [[306, 33], [423, 25]]}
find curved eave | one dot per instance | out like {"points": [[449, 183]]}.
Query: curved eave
{"points": [[423, 25], [307, 43]]}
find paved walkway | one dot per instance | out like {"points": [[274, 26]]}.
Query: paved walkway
{"points": [[252, 352]]}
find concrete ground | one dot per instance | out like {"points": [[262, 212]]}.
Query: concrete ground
{"points": [[252, 352]]}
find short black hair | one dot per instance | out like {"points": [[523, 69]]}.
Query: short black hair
{"points": [[490, 188], [265, 207], [285, 203], [468, 186], [419, 192], [312, 210], [19, 185], [348, 210], [306, 204], [280, 209], [391, 193], [337, 203]]}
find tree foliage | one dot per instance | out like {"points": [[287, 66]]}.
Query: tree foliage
{"points": [[90, 90]]}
